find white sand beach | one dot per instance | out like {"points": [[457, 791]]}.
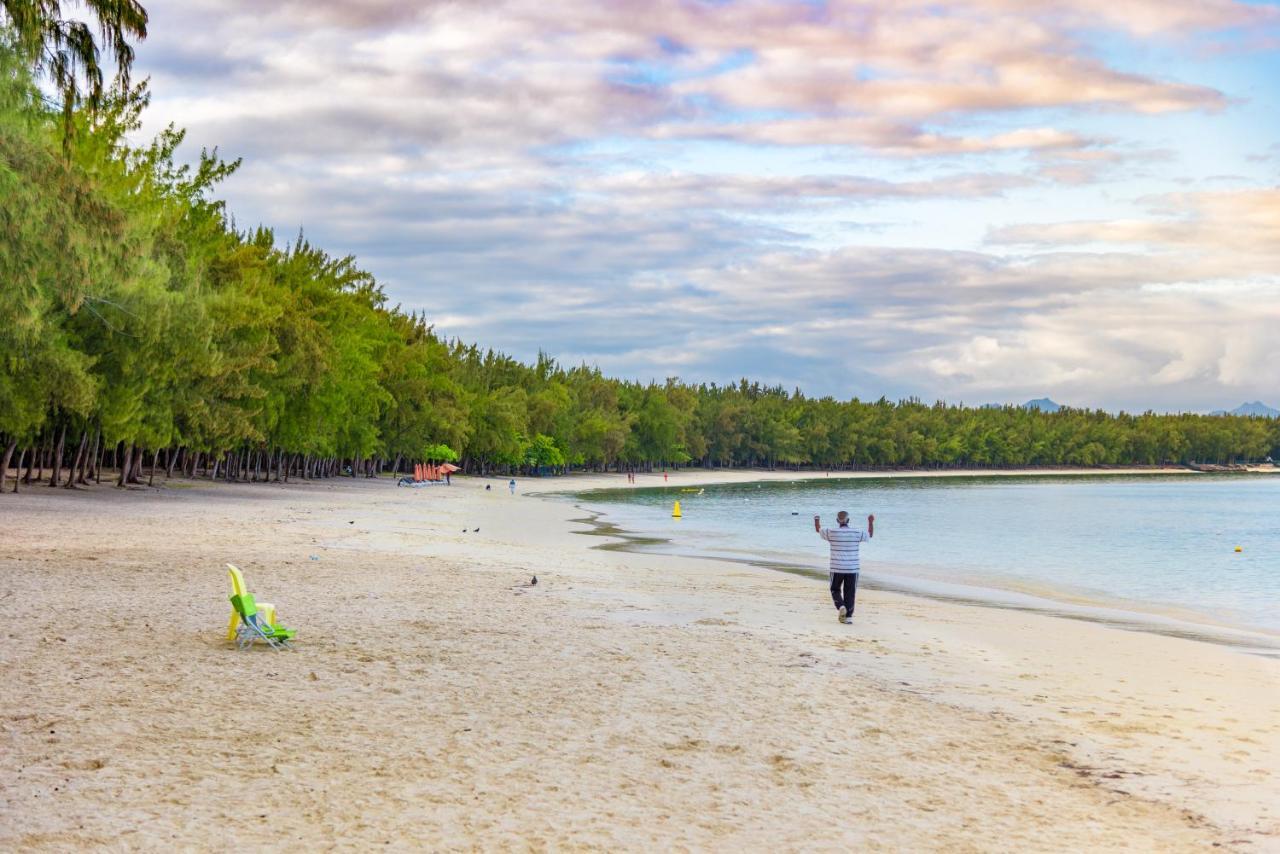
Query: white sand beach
{"points": [[627, 701]]}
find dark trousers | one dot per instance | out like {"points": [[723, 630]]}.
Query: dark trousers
{"points": [[844, 587]]}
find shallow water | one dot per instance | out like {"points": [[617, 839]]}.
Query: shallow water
{"points": [[1155, 543]]}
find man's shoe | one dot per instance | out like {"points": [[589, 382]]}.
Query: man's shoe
{"points": [[844, 615]]}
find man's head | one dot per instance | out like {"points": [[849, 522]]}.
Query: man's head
{"points": [[843, 518]]}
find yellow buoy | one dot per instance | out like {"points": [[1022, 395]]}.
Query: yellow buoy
{"points": [[1239, 549], [675, 511]]}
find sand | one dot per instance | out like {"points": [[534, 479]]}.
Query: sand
{"points": [[627, 701]]}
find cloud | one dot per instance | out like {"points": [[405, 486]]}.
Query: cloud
{"points": [[885, 137], [515, 74], [1232, 231], [966, 326], [667, 186]]}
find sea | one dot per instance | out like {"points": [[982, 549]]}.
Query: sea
{"points": [[1195, 555]]}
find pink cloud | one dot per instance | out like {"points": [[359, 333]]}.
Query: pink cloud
{"points": [[1233, 231], [901, 77]]}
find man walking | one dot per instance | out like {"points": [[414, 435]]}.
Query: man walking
{"points": [[844, 542]]}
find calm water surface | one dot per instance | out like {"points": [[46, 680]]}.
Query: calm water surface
{"points": [[1156, 543]]}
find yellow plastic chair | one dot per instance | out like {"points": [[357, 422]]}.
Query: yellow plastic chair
{"points": [[238, 588]]}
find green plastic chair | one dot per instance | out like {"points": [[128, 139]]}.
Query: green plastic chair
{"points": [[249, 622]]}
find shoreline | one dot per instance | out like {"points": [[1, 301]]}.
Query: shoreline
{"points": [[695, 476], [1062, 603], [437, 699], [1248, 639]]}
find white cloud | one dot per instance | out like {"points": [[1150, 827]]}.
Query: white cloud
{"points": [[637, 184]]}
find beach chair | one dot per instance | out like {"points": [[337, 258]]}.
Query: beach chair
{"points": [[252, 620]]}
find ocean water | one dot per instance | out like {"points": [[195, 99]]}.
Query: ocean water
{"points": [[1151, 544]]}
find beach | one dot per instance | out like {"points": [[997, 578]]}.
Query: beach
{"points": [[437, 700]]}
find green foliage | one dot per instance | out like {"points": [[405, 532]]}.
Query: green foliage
{"points": [[65, 48], [439, 453], [541, 452], [131, 305]]}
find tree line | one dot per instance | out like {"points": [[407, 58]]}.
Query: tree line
{"points": [[143, 332]]}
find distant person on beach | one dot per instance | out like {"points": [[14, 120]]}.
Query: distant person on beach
{"points": [[512, 486], [845, 564]]}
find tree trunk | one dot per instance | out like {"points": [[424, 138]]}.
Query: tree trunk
{"points": [[71, 473], [126, 465], [41, 451], [16, 480], [56, 463], [135, 476], [151, 479], [4, 466], [86, 465], [171, 458]]}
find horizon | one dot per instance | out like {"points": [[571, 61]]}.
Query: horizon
{"points": [[960, 201]]}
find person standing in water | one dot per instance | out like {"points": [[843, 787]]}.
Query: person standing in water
{"points": [[845, 563]]}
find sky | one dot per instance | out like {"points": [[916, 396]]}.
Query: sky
{"points": [[970, 200]]}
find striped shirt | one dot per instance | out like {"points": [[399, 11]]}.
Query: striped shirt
{"points": [[844, 547]]}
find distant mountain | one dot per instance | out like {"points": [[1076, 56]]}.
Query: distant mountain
{"points": [[1256, 407]]}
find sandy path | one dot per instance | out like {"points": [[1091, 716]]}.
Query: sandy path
{"points": [[626, 701]]}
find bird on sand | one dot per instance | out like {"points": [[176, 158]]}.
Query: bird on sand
{"points": [[534, 582]]}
